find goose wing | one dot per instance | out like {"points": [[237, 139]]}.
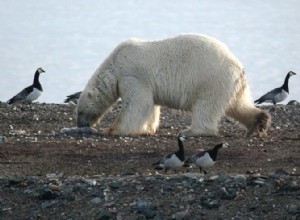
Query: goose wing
{"points": [[74, 97], [269, 96], [21, 96], [163, 160], [194, 158]]}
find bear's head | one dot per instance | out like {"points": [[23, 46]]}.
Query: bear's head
{"points": [[87, 109], [259, 123]]}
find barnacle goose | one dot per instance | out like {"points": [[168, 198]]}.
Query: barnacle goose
{"points": [[206, 158], [30, 93], [73, 98], [174, 160], [278, 94]]}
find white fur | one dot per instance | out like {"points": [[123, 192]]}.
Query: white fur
{"points": [[191, 72]]}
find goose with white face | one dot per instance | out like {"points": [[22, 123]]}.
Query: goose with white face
{"points": [[172, 161], [206, 158], [30, 93]]}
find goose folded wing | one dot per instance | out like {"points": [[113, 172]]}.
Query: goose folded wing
{"points": [[270, 95], [21, 95], [193, 158], [162, 161]]}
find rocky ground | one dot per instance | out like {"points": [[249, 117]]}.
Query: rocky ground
{"points": [[47, 175]]}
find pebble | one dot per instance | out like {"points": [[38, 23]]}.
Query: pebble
{"points": [[15, 180], [115, 185], [2, 138], [281, 172], [293, 102], [90, 182], [48, 204], [240, 180], [145, 208], [96, 200], [194, 176], [103, 214], [181, 215], [210, 203], [293, 209], [258, 182], [139, 217], [217, 188], [67, 195], [48, 194], [78, 187], [54, 187], [228, 193], [212, 178], [54, 176], [188, 199]]}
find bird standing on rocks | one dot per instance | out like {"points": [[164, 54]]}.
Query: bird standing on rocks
{"points": [[206, 158], [30, 93], [73, 98], [173, 160], [278, 94]]}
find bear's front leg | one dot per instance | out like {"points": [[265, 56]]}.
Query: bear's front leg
{"points": [[106, 131], [206, 114], [138, 114], [113, 131]]}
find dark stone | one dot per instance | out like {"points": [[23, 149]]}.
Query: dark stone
{"points": [[228, 193], [210, 203], [48, 204], [48, 194], [143, 207], [293, 102], [105, 215], [15, 180], [281, 172], [115, 185], [293, 209]]}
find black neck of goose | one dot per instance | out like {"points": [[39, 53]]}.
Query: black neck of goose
{"points": [[180, 152], [214, 152], [285, 85], [36, 82]]}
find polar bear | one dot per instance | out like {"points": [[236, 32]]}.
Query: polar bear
{"points": [[190, 72]]}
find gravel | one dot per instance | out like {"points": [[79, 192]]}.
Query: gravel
{"points": [[45, 174]]}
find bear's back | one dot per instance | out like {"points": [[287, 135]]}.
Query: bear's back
{"points": [[183, 66], [182, 49]]}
